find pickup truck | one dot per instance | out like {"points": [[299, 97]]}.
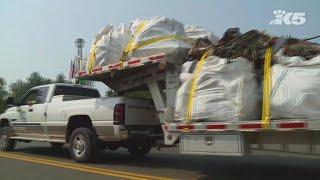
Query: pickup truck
{"points": [[68, 113]]}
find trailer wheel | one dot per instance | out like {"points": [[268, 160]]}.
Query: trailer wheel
{"points": [[139, 148], [82, 145], [6, 144]]}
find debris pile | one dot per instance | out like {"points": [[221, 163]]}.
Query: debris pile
{"points": [[250, 45], [303, 48]]}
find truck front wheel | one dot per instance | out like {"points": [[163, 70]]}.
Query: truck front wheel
{"points": [[82, 145], [6, 144], [139, 148]]}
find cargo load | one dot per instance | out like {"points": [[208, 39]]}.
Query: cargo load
{"points": [[223, 90], [225, 79], [295, 87], [108, 46], [158, 35], [228, 86], [195, 32], [144, 38]]}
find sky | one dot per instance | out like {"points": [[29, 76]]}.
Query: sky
{"points": [[38, 35]]}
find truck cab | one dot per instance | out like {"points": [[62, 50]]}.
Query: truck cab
{"points": [[68, 113]]}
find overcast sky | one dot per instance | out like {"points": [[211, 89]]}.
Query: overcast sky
{"points": [[38, 35]]}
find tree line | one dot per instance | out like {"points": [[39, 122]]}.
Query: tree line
{"points": [[19, 87]]}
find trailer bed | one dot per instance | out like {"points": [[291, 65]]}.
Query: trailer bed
{"points": [[239, 138], [128, 74], [275, 125]]}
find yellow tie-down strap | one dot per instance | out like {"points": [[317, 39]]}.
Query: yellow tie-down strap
{"points": [[266, 88], [128, 49], [133, 46], [92, 58], [193, 87]]}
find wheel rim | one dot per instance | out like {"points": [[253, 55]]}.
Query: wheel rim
{"points": [[79, 146], [3, 140]]}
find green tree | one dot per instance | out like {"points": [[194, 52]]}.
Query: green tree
{"points": [[20, 87], [3, 95], [35, 79], [111, 93], [61, 78]]}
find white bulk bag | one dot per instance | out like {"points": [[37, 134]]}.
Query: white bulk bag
{"points": [[108, 45], [163, 35], [195, 32], [226, 91], [295, 88]]}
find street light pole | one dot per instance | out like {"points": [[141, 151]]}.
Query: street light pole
{"points": [[79, 43]]}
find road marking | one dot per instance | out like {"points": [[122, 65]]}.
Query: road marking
{"points": [[83, 168]]}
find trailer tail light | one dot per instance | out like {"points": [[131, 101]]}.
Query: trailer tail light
{"points": [[119, 114]]}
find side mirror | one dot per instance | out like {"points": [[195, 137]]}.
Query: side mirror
{"points": [[10, 102], [30, 103]]}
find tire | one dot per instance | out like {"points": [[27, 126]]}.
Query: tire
{"points": [[83, 145], [139, 148], [6, 144], [56, 146]]}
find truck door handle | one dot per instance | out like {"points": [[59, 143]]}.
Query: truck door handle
{"points": [[30, 110]]}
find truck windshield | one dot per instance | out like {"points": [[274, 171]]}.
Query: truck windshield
{"points": [[76, 91]]}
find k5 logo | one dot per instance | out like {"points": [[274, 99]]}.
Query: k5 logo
{"points": [[288, 18]]}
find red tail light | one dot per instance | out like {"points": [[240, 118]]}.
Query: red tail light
{"points": [[119, 114]]}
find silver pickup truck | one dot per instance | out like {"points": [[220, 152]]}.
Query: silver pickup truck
{"points": [[66, 113]]}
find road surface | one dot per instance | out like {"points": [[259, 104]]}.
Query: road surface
{"points": [[38, 161]]}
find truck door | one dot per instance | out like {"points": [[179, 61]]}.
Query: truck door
{"points": [[31, 117]]}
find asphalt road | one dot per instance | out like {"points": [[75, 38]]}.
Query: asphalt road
{"points": [[38, 161]]}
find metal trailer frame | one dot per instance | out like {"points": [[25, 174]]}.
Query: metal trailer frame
{"points": [[214, 138], [293, 136]]}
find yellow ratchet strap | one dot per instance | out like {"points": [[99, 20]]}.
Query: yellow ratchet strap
{"points": [[131, 43], [92, 58], [266, 88], [132, 46], [193, 87], [157, 39]]}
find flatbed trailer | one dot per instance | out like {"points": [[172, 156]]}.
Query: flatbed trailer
{"points": [[153, 73], [239, 138]]}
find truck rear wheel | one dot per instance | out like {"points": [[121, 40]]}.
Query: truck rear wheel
{"points": [[6, 144], [139, 148], [82, 145]]}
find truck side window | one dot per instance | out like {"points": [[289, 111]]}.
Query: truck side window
{"points": [[76, 91], [38, 95]]}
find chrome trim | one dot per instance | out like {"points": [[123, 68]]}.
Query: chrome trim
{"points": [[37, 139]]}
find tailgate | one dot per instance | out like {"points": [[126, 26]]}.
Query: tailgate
{"points": [[140, 112]]}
